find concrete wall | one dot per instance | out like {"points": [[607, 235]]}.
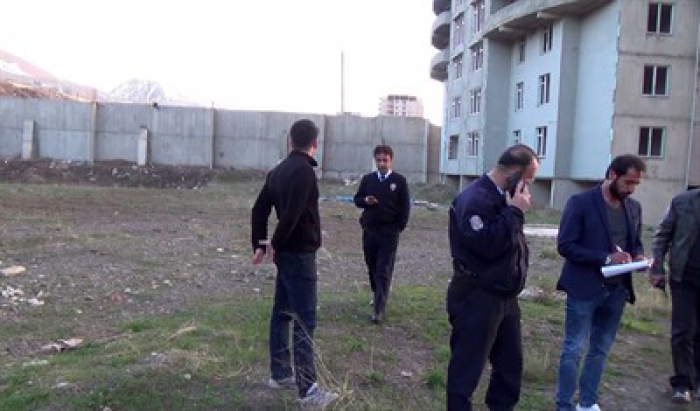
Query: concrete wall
{"points": [[191, 136], [494, 105], [595, 93], [666, 175]]}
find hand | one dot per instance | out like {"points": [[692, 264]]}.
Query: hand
{"points": [[657, 280], [260, 253], [258, 256], [620, 257], [521, 199], [371, 200]]}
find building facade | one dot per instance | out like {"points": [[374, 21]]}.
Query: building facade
{"points": [[398, 105], [580, 81]]}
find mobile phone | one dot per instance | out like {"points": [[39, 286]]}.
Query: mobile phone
{"points": [[512, 182]]}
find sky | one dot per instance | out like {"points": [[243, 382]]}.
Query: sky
{"points": [[279, 55]]}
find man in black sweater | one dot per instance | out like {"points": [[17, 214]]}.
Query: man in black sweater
{"points": [[384, 198], [291, 188]]}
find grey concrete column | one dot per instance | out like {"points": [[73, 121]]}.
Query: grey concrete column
{"points": [[92, 136], [212, 139], [426, 150], [142, 155], [29, 148]]}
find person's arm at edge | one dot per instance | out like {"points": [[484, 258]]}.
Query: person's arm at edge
{"points": [[404, 205], [662, 240], [259, 216]]}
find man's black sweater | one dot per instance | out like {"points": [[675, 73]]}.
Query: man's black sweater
{"points": [[291, 188], [393, 207]]}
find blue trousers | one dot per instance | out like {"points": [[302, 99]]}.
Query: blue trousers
{"points": [[593, 323], [295, 302]]}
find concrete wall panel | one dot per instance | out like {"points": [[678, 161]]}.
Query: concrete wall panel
{"points": [[207, 137]]}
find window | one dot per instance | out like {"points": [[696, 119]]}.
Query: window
{"points": [[453, 147], [521, 50], [457, 63], [660, 18], [547, 35], [458, 31], [477, 56], [478, 14], [457, 107], [541, 144], [475, 101], [543, 91], [651, 141], [655, 81], [517, 135], [473, 144], [519, 96]]}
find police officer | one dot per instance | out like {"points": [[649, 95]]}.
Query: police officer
{"points": [[490, 261], [385, 201]]}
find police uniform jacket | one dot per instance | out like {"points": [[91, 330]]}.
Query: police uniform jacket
{"points": [[487, 239]]}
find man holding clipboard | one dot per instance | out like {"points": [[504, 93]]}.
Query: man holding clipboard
{"points": [[599, 227]]}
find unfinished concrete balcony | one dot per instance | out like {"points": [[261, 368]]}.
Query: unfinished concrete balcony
{"points": [[518, 18], [441, 30], [439, 64], [441, 5]]}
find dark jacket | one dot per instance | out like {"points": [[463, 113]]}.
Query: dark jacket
{"points": [[677, 232], [487, 240], [585, 242], [291, 188], [392, 211]]}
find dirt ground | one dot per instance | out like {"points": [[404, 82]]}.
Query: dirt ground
{"points": [[97, 262]]}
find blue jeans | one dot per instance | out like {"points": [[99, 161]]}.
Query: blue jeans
{"points": [[593, 323], [295, 300]]}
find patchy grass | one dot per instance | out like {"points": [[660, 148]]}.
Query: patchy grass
{"points": [[159, 284]]}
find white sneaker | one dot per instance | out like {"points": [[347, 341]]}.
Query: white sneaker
{"points": [[316, 397], [288, 382], [593, 407]]}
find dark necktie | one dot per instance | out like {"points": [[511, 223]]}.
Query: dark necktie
{"points": [[382, 177]]}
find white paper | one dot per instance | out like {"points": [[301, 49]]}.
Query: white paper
{"points": [[617, 269]]}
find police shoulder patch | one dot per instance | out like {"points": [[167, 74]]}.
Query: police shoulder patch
{"points": [[476, 222]]}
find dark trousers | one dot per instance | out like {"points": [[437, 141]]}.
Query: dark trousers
{"points": [[295, 301], [380, 252], [484, 327], [685, 334]]}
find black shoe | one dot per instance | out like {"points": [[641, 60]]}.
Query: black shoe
{"points": [[681, 397], [377, 318]]}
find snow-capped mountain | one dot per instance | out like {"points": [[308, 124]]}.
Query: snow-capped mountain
{"points": [[146, 91], [19, 78]]}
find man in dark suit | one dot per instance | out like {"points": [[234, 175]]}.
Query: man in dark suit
{"points": [[384, 198], [601, 226]]}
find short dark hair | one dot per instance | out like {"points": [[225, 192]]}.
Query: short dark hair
{"points": [[621, 165], [518, 155], [384, 149], [303, 133]]}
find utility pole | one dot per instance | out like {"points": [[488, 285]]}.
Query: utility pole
{"points": [[342, 82]]}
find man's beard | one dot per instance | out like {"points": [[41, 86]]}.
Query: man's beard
{"points": [[615, 192]]}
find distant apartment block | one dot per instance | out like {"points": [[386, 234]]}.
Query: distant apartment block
{"points": [[579, 81], [398, 105]]}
